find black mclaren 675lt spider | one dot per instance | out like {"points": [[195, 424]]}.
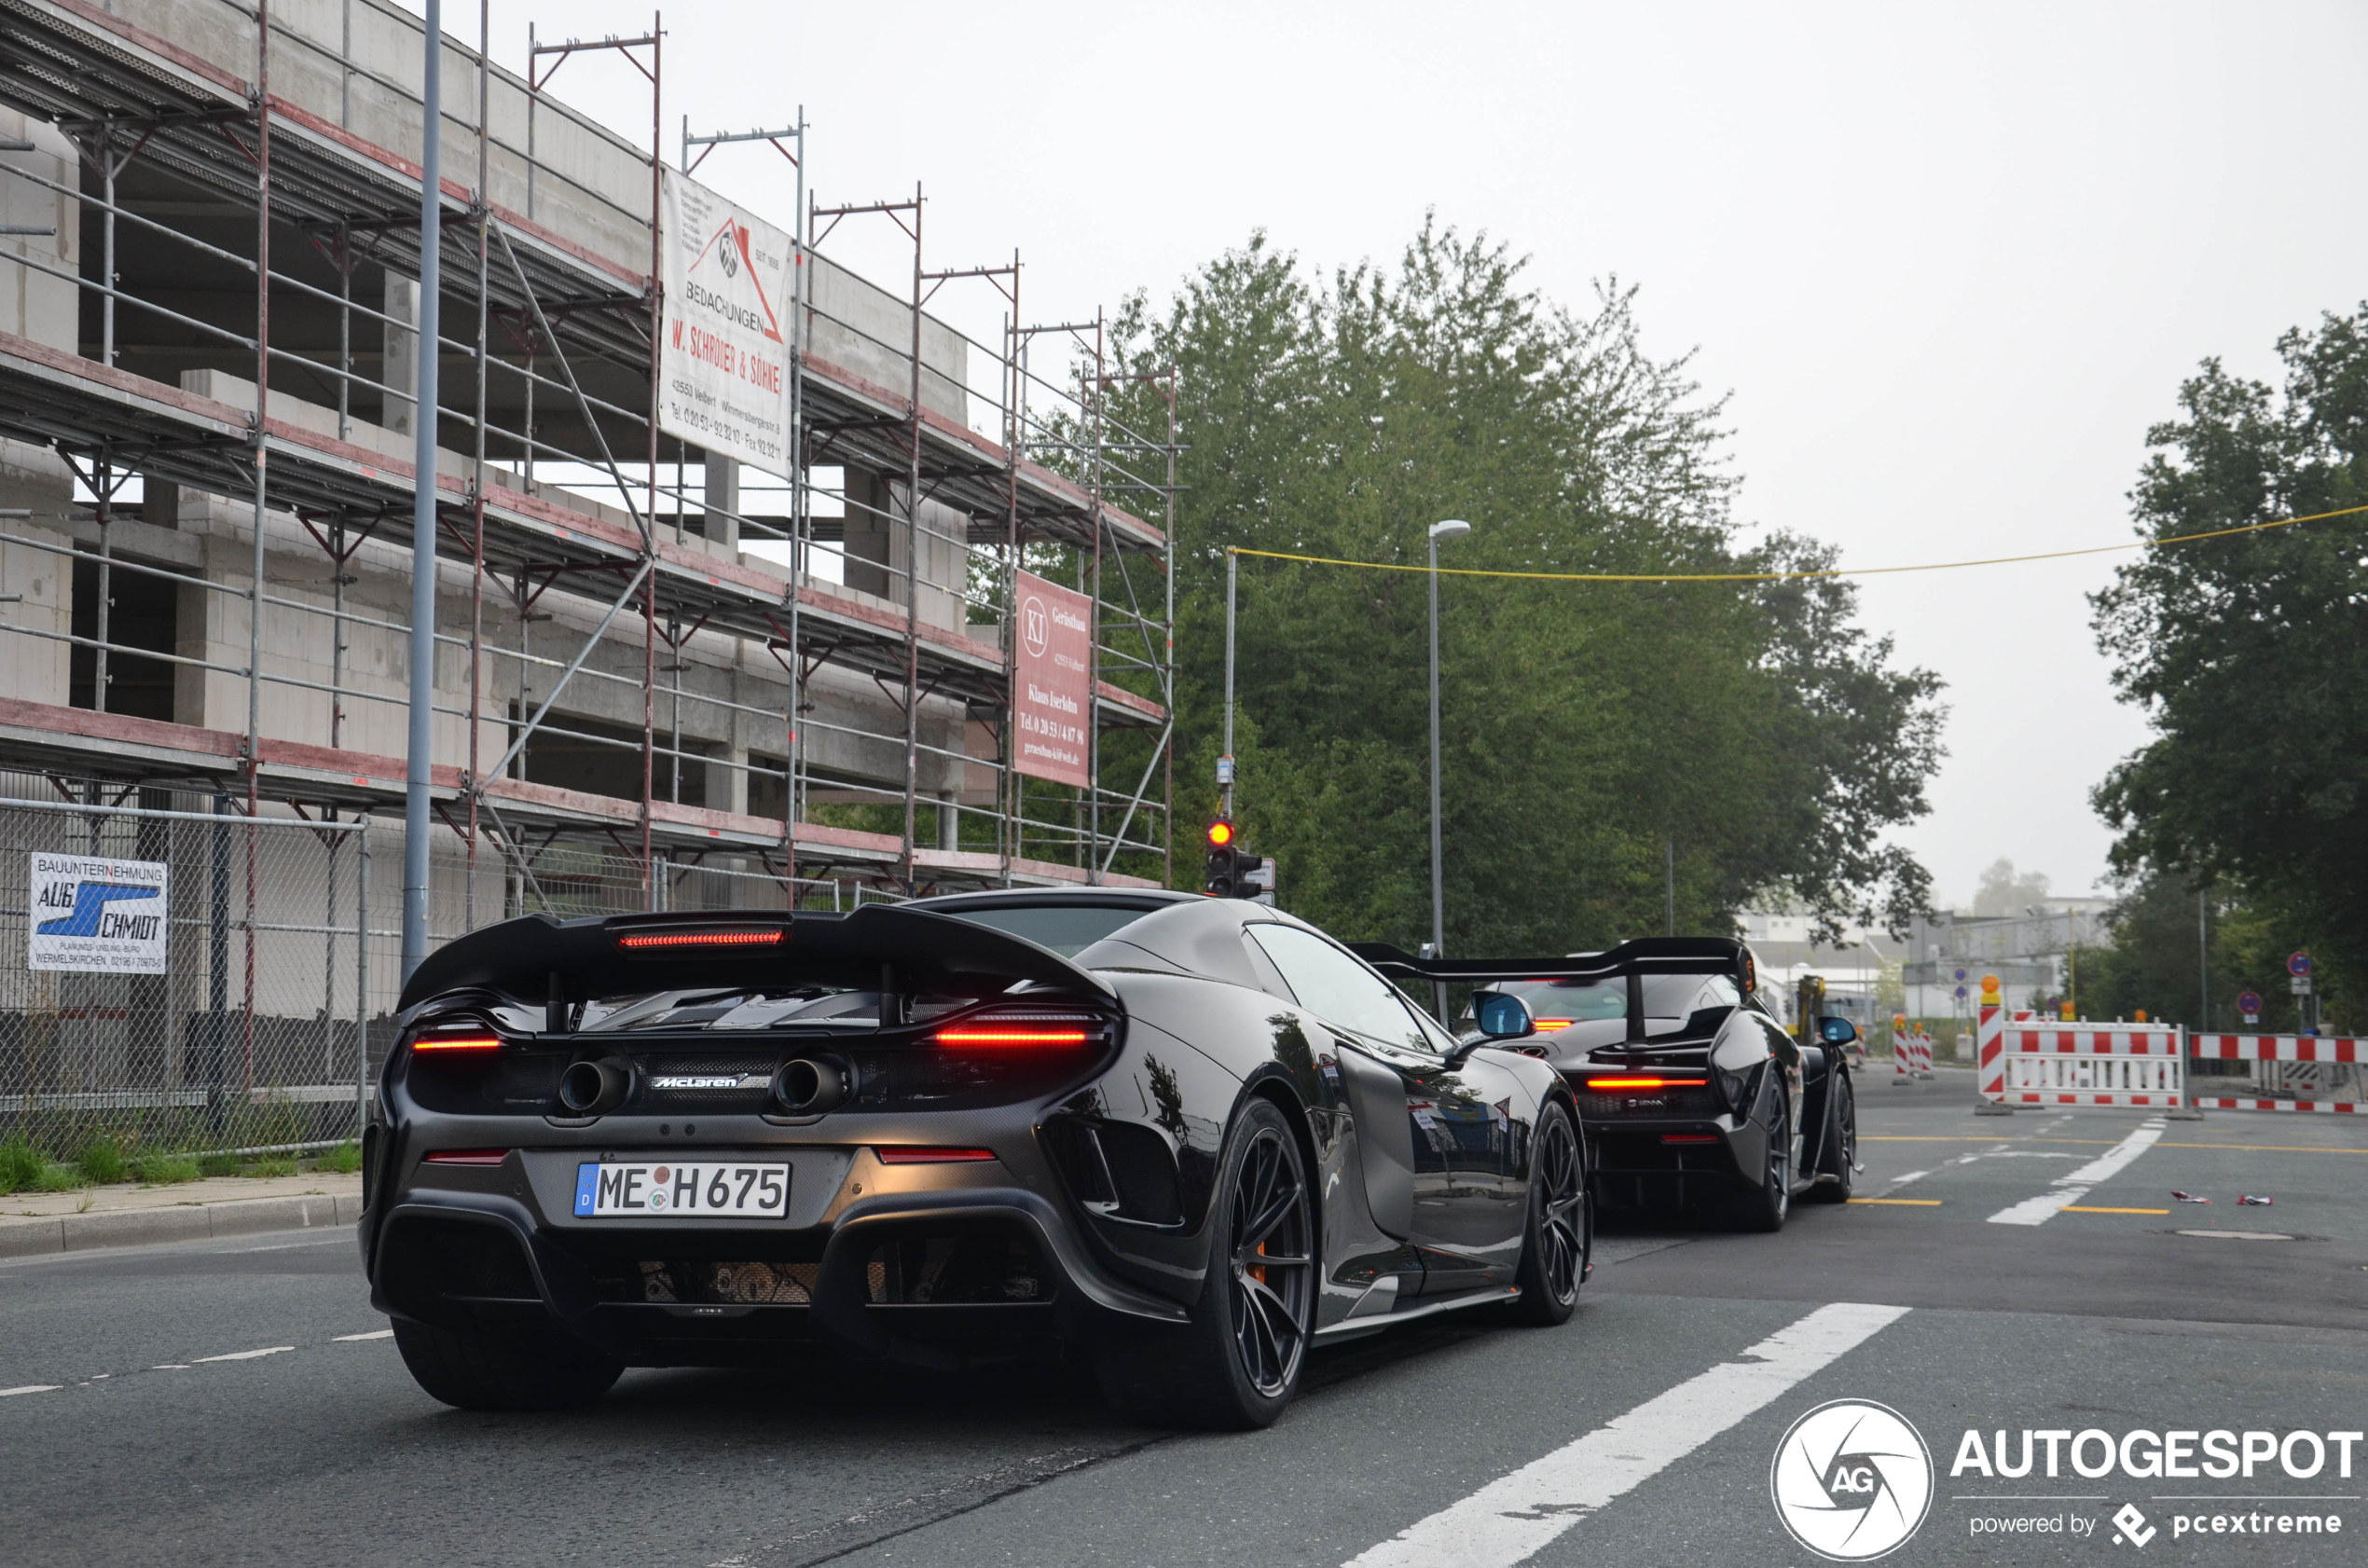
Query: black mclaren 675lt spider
{"points": [[1689, 1092], [1186, 1138]]}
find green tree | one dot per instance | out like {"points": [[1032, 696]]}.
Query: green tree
{"points": [[1752, 725], [2249, 654]]}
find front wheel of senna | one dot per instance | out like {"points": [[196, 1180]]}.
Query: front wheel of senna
{"points": [[1236, 1363], [480, 1369], [1561, 1229]]}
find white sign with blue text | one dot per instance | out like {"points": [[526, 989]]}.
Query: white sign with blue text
{"points": [[97, 917]]}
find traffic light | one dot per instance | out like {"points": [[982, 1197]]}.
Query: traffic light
{"points": [[1223, 864], [1233, 871]]}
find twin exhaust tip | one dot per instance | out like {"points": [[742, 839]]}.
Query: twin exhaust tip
{"points": [[809, 1086], [813, 1084]]}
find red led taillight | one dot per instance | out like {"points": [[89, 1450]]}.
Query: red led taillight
{"points": [[1002, 1030], [468, 1157], [473, 1041], [641, 941], [932, 1156], [1602, 1084], [989, 1035], [1689, 1137]]}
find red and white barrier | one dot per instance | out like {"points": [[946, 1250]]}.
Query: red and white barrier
{"points": [[2275, 1051], [1911, 1054], [1989, 1046], [2093, 1064]]}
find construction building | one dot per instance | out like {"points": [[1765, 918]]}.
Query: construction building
{"points": [[664, 677]]}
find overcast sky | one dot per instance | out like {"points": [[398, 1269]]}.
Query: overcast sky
{"points": [[1949, 261]]}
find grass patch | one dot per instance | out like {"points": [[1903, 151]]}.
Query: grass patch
{"points": [[60, 1178], [218, 1164], [162, 1170], [102, 1160], [277, 1166], [345, 1159], [19, 1166]]}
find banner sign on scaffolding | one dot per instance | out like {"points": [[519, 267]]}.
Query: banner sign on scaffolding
{"points": [[96, 917], [724, 350], [1051, 695]]}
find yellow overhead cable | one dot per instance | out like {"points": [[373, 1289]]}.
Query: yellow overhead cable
{"points": [[1787, 576]]}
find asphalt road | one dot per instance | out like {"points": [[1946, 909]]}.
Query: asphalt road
{"points": [[208, 1403]]}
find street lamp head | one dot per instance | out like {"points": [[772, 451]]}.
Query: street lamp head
{"points": [[1453, 528]]}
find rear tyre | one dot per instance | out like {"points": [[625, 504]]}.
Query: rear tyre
{"points": [[1561, 1229], [1840, 1159], [1236, 1363], [477, 1370], [1766, 1207]]}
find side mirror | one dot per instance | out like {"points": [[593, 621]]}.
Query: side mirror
{"points": [[1502, 1017], [1837, 1031]]}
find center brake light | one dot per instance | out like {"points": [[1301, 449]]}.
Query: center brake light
{"points": [[1603, 1083], [662, 941], [911, 1156]]}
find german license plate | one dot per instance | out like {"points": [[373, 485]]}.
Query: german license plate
{"points": [[669, 1190]]}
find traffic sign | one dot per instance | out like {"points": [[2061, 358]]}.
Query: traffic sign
{"points": [[2249, 1003], [1961, 990], [2299, 966], [1960, 975]]}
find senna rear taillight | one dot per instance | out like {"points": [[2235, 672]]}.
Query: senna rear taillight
{"points": [[1012, 1029], [1613, 1085]]}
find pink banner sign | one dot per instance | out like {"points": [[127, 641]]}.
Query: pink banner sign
{"points": [[1051, 696]]}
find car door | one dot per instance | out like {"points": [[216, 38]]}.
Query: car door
{"points": [[1442, 1150]]}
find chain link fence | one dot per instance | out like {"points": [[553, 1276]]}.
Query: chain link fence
{"points": [[276, 964]]}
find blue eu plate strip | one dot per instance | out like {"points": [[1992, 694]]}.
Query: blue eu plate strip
{"points": [[587, 1183]]}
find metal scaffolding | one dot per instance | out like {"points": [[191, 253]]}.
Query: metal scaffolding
{"points": [[554, 490]]}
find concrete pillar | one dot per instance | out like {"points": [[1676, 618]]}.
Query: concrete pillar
{"points": [[722, 497], [400, 368], [949, 821]]}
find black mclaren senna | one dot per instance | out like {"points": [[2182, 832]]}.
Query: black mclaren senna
{"points": [[1182, 1139], [1690, 1093]]}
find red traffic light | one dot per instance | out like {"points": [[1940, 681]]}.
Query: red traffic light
{"points": [[1220, 833]]}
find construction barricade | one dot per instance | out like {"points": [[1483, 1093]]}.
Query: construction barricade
{"points": [[2281, 1072], [1911, 1052]]}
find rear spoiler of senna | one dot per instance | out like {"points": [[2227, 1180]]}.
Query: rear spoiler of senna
{"points": [[1636, 959], [886, 947]]}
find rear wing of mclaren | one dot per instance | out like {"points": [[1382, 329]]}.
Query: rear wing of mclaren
{"points": [[1633, 960], [885, 948]]}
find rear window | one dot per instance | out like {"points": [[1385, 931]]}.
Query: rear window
{"points": [[1666, 995], [1067, 928]]}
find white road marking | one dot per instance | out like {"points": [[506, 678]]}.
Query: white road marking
{"points": [[350, 1339], [1520, 1514], [1913, 1176], [33, 1388], [172, 1366], [246, 1355], [2072, 1188]]}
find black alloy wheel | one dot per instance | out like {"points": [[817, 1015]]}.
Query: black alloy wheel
{"points": [[1766, 1208], [1236, 1363], [1273, 1276], [1562, 1225], [1840, 1159]]}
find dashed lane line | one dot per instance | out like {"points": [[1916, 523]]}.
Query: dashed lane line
{"points": [[246, 1355], [356, 1339], [1903, 1202], [31, 1388], [1517, 1515], [2070, 1189]]}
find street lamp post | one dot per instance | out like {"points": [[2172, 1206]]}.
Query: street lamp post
{"points": [[1453, 528]]}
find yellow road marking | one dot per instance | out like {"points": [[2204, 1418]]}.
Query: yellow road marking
{"points": [[1904, 1203], [2075, 1209]]}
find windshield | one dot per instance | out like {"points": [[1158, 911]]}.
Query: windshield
{"points": [[1067, 928], [1666, 995]]}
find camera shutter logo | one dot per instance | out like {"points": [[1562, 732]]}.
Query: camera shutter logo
{"points": [[2130, 1525], [1851, 1481]]}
